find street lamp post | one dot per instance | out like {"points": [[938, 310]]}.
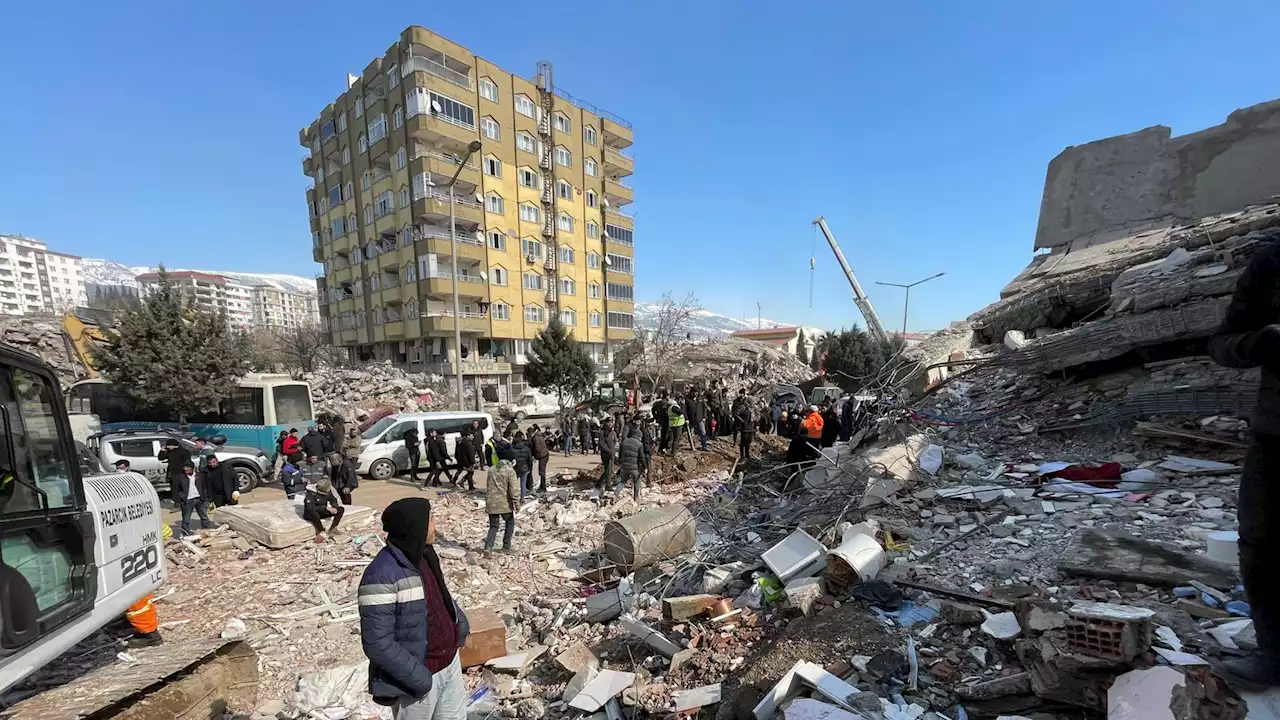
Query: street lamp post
{"points": [[472, 149], [906, 303]]}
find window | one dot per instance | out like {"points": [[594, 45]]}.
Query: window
{"points": [[335, 195], [393, 76], [525, 142], [368, 214], [326, 130], [366, 179], [446, 108], [338, 227], [493, 203], [620, 320], [30, 404], [492, 166], [568, 286], [498, 276], [562, 122], [619, 234], [619, 263], [564, 190], [589, 135], [497, 241], [529, 213], [384, 204], [489, 127], [569, 317], [348, 191], [319, 175], [351, 222], [566, 254], [594, 319], [359, 106], [342, 122], [593, 291], [404, 197], [524, 105], [593, 261], [397, 117], [377, 128], [565, 222], [528, 178], [410, 272], [617, 291], [363, 142], [593, 230], [590, 165], [501, 311], [531, 247], [488, 90], [533, 314], [532, 281], [346, 156], [402, 158], [592, 200], [564, 157]]}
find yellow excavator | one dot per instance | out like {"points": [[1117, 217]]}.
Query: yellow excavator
{"points": [[82, 327]]}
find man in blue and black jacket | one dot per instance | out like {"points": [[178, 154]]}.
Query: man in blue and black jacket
{"points": [[410, 626]]}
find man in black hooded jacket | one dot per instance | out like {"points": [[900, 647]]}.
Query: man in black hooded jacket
{"points": [[1250, 337]]}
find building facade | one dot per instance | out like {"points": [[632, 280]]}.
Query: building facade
{"points": [[273, 308], [539, 213], [34, 279], [208, 292]]}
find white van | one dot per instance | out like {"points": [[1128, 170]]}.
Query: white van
{"points": [[382, 450], [531, 404]]}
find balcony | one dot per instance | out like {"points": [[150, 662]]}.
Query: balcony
{"points": [[619, 217], [621, 163], [617, 132], [444, 322], [441, 284], [439, 65], [618, 192], [434, 202], [437, 241], [429, 160], [441, 130]]}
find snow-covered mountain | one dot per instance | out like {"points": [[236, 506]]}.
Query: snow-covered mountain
{"points": [[708, 324], [106, 272], [279, 281]]}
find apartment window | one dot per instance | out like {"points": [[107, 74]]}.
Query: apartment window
{"points": [[564, 157], [618, 291], [335, 195], [525, 142], [593, 261], [338, 227], [528, 178], [590, 165], [589, 135], [359, 106], [593, 291], [566, 254], [378, 128], [493, 203], [534, 314], [564, 190], [384, 204], [402, 158], [489, 127], [375, 283], [568, 286], [500, 311], [346, 156], [532, 281], [410, 272], [368, 214], [497, 241], [348, 191], [529, 213], [446, 108], [492, 166], [619, 234], [592, 200], [404, 197], [562, 123], [498, 276], [594, 319], [532, 248], [366, 179], [342, 122], [524, 106], [569, 317], [619, 263], [363, 143], [565, 222], [393, 76], [397, 117], [488, 90], [351, 222], [593, 230]]}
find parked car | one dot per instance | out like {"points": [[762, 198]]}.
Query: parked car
{"points": [[141, 448], [382, 450], [531, 404]]}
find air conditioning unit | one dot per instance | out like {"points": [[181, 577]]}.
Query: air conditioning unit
{"points": [[531, 258]]}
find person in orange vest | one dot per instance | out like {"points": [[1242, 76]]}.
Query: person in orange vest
{"points": [[812, 425], [146, 624]]}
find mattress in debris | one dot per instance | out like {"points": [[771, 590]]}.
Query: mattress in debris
{"points": [[278, 523]]}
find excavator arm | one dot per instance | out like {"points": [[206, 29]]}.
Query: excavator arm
{"points": [[859, 298]]}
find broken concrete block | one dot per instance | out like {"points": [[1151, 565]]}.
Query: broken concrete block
{"points": [[970, 461], [1002, 626], [686, 700], [1108, 630], [651, 637], [577, 657], [605, 606], [802, 593], [1016, 684], [717, 578], [681, 608], [488, 638], [681, 659], [605, 686], [1114, 556], [960, 613], [517, 663]]}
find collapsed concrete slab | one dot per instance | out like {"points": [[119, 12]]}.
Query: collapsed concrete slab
{"points": [[278, 523], [1114, 556]]}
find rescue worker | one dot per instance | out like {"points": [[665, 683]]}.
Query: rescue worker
{"points": [[437, 457], [414, 448], [676, 426], [501, 498], [630, 453], [1250, 337], [221, 481], [542, 454], [322, 502], [146, 623]]}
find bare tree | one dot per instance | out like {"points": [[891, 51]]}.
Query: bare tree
{"points": [[303, 348], [661, 344]]}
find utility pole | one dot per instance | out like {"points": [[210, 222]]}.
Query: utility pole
{"points": [[758, 324], [906, 303], [472, 149]]}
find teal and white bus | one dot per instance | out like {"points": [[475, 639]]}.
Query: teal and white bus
{"points": [[253, 414]]}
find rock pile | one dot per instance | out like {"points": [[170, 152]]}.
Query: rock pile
{"points": [[351, 391], [738, 363], [43, 336]]}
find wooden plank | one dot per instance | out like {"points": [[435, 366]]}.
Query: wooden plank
{"points": [[680, 608]]}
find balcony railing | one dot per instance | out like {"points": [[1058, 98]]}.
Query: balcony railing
{"points": [[463, 315], [442, 234], [434, 193], [619, 183], [421, 152], [592, 108], [616, 211], [416, 62], [446, 275], [618, 155]]}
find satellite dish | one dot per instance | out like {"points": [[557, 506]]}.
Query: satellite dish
{"points": [[607, 261], [480, 235], [435, 105], [605, 201], [484, 276], [479, 198], [430, 182]]}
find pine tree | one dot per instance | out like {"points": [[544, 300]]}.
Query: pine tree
{"points": [[559, 362], [802, 348], [853, 358], [170, 356]]}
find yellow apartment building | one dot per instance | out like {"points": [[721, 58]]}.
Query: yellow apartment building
{"points": [[539, 211]]}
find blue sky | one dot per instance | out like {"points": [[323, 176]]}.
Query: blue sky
{"points": [[149, 132]]}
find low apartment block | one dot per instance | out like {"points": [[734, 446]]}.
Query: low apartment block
{"points": [[246, 306], [35, 279], [541, 228]]}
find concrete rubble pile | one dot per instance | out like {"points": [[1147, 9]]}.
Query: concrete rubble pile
{"points": [[354, 391], [739, 363], [43, 337]]}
